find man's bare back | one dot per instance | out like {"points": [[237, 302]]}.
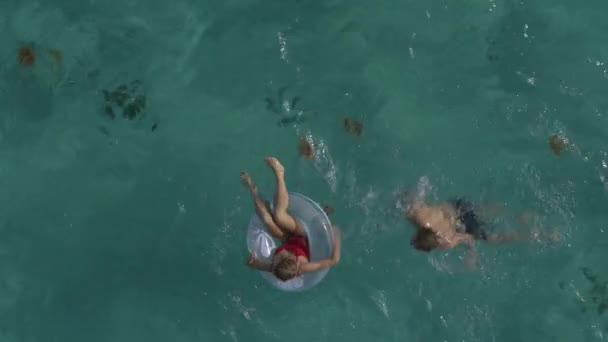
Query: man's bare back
{"points": [[441, 221]]}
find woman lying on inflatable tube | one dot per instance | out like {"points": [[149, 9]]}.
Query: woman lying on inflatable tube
{"points": [[292, 258]]}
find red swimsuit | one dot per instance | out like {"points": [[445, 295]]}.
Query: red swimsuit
{"points": [[296, 244]]}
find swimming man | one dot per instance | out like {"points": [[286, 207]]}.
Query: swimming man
{"points": [[452, 223]]}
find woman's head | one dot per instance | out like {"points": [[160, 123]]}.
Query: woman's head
{"points": [[286, 268], [424, 240]]}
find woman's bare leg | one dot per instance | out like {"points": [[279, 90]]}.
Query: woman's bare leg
{"points": [[286, 222], [261, 208]]}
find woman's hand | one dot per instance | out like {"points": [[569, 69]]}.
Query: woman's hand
{"points": [[250, 259], [335, 256], [255, 263]]}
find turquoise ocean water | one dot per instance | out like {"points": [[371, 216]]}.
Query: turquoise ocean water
{"points": [[111, 230]]}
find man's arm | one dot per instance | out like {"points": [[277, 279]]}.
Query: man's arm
{"points": [[334, 259], [471, 257], [422, 189], [521, 236]]}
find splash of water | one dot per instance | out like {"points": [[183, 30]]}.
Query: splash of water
{"points": [[323, 161], [179, 216]]}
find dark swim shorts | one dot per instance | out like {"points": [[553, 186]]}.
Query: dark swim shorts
{"points": [[467, 216]]}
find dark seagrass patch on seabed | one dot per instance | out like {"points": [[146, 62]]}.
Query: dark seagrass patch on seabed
{"points": [[594, 300], [288, 110], [352, 126], [328, 209], [127, 101], [558, 144], [598, 292], [306, 148]]}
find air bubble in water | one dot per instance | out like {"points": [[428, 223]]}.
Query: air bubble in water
{"points": [[179, 216]]}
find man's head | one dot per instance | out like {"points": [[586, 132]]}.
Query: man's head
{"points": [[424, 240], [286, 268]]}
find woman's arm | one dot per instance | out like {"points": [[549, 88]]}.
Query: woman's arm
{"points": [[258, 264], [334, 259]]}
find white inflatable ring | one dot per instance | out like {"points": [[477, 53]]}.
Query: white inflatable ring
{"points": [[320, 239]]}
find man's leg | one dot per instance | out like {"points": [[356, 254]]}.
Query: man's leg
{"points": [[524, 236], [286, 222], [261, 209]]}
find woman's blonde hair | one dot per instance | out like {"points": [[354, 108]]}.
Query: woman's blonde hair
{"points": [[286, 268]]}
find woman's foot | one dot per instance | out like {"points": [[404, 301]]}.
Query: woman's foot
{"points": [[275, 165], [249, 183]]}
